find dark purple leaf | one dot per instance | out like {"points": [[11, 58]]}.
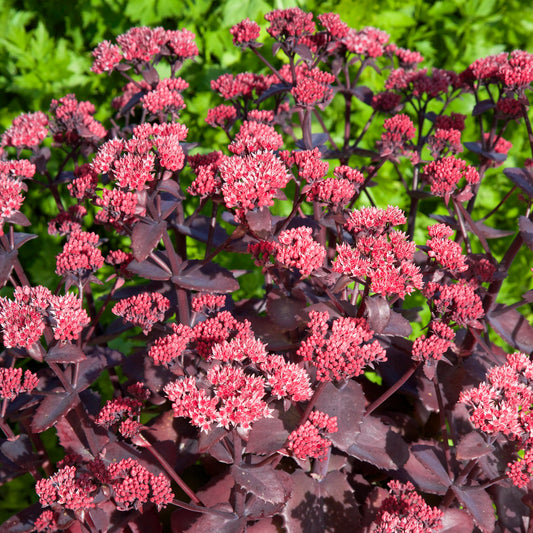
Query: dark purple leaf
{"points": [[512, 326], [149, 270], [198, 228], [285, 311], [481, 107], [21, 238], [148, 520], [513, 513], [456, 521], [51, 409], [323, 505], [377, 312], [72, 433], [265, 525], [210, 277], [215, 522], [65, 176], [528, 296], [174, 438], [267, 436], [168, 206], [65, 353], [377, 444], [273, 89], [7, 260], [398, 325], [526, 230], [170, 186], [19, 452], [263, 481], [24, 521], [19, 219], [317, 139], [145, 237], [260, 222], [492, 155], [363, 93], [304, 52], [521, 177], [275, 48], [424, 479], [429, 458], [132, 102], [491, 233], [348, 405], [479, 505], [472, 446], [150, 75], [211, 443]]}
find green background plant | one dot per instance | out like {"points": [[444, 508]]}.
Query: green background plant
{"points": [[45, 50]]}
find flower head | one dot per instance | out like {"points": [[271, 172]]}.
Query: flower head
{"points": [[144, 310], [405, 510], [298, 249], [308, 441], [342, 350]]}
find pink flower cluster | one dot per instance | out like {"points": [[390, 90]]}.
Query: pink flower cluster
{"points": [[208, 303], [308, 441], [25, 318], [142, 44], [221, 116], [205, 167], [132, 485], [405, 510], [143, 310], [309, 164], [514, 72], [167, 349], [432, 348], [502, 404], [234, 399], [124, 412], [447, 253], [342, 350], [420, 84], [166, 97], [313, 88], [80, 255], [399, 130], [26, 131], [254, 136], [245, 32], [251, 181], [287, 23], [457, 302], [241, 85], [67, 487], [369, 41], [132, 163], [12, 383], [226, 394], [444, 142], [73, 120], [444, 174], [383, 255], [298, 249], [12, 172]]}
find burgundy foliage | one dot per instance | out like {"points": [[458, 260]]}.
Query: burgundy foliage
{"points": [[314, 406]]}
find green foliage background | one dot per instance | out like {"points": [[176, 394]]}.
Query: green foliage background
{"points": [[45, 50]]}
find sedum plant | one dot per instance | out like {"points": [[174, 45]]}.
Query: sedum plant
{"points": [[372, 382]]}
